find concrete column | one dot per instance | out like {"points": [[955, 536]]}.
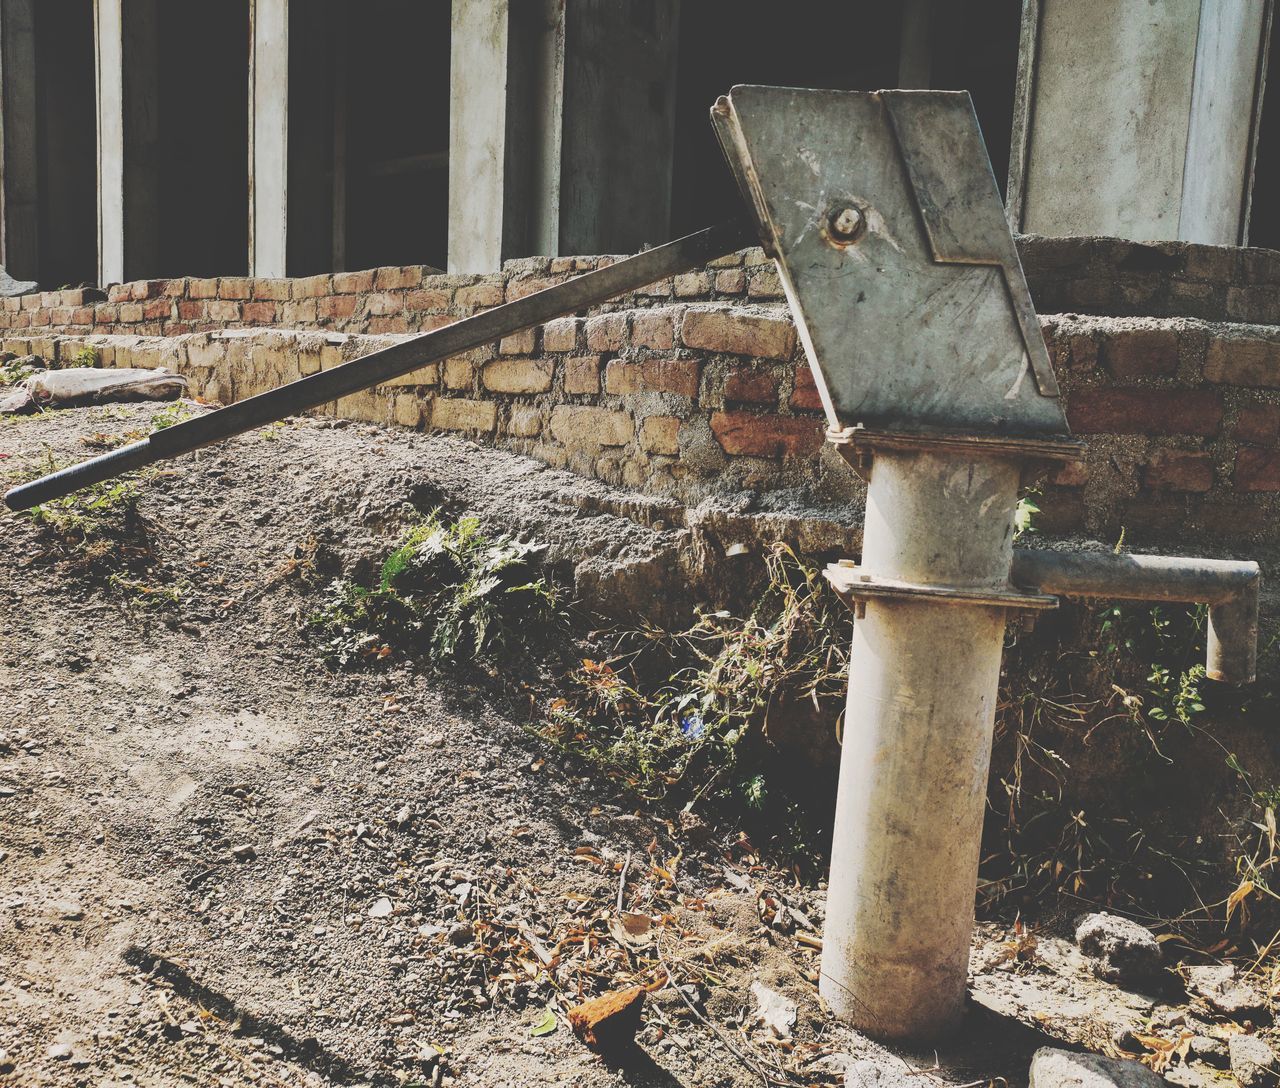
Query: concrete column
{"points": [[19, 171], [560, 128], [1138, 120], [506, 63], [268, 136], [126, 41]]}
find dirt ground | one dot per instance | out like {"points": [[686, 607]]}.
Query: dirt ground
{"points": [[222, 864]]}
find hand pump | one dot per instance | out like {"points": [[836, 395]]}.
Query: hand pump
{"points": [[884, 220]]}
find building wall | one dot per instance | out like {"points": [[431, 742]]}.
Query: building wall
{"points": [[695, 387]]}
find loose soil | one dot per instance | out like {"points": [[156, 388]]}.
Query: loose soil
{"points": [[222, 864]]}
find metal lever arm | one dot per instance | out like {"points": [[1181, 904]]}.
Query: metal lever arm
{"points": [[691, 251]]}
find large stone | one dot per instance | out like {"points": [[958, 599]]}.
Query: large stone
{"points": [[1053, 1068], [1252, 1061], [1120, 950]]}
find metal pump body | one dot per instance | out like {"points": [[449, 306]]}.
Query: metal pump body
{"points": [[889, 235], [884, 219]]}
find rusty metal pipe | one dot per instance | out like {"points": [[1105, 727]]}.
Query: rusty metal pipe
{"points": [[1229, 587]]}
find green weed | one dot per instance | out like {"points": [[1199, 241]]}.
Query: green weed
{"points": [[447, 589], [178, 411]]}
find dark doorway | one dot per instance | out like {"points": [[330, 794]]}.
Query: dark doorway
{"points": [[66, 144], [1264, 219], [812, 43], [203, 138], [368, 135]]}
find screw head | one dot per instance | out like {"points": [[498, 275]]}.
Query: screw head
{"points": [[846, 224]]}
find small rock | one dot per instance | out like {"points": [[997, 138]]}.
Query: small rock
{"points": [[1121, 950], [58, 1051], [380, 908], [1223, 991], [244, 852], [69, 910], [609, 1022], [1210, 1050], [1252, 1061], [866, 1073], [461, 933], [1053, 1068], [776, 1011]]}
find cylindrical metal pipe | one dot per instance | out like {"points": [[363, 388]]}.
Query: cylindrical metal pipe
{"points": [[1229, 587], [923, 683]]}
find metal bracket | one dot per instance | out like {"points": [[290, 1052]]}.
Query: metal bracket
{"points": [[855, 586]]}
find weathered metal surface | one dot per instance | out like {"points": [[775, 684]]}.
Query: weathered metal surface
{"points": [[1229, 587], [924, 319], [586, 290]]}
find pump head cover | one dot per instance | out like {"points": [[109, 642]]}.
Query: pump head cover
{"points": [[885, 220]]}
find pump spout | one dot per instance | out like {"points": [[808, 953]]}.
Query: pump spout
{"points": [[1229, 588]]}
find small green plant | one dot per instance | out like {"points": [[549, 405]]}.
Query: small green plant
{"points": [[447, 589], [1025, 513], [179, 411], [15, 370], [151, 596], [86, 356]]}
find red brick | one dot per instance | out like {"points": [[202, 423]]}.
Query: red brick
{"points": [[1259, 424], [389, 323], [732, 281], [271, 290], [83, 315], [235, 287], [353, 283], [176, 288], [1257, 470], [739, 333], [653, 329], [207, 288], [1239, 361], [158, 309], [1140, 353], [806, 391], [746, 433], [518, 375], [386, 302], [312, 287], [1144, 411], [60, 316], [522, 287], [479, 296], [192, 309], [105, 313], [117, 292], [561, 334], [258, 313], [1180, 470], [752, 386], [519, 343], [607, 332], [130, 312], [222, 310], [678, 376], [391, 279], [582, 374], [427, 298], [335, 307]]}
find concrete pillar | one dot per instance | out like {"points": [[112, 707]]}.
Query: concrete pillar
{"points": [[560, 128], [19, 171], [126, 42], [506, 64], [1138, 120], [268, 136]]}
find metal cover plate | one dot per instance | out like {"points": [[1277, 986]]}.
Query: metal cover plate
{"points": [[925, 322]]}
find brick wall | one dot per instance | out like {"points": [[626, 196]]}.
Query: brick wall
{"points": [[696, 387]]}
